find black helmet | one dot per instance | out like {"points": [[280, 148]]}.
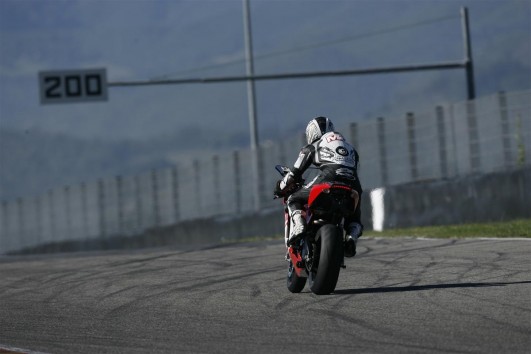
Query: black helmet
{"points": [[317, 127]]}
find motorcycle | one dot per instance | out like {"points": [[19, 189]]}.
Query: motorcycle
{"points": [[318, 255]]}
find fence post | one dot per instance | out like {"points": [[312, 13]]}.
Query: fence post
{"points": [[139, 206], [155, 195], [237, 181], [197, 180], [217, 185], [473, 137], [382, 150], [119, 204], [505, 135], [175, 187], [38, 226], [455, 165], [68, 213], [441, 137], [261, 180], [412, 145], [4, 244], [84, 209], [52, 215], [101, 208], [20, 216]]}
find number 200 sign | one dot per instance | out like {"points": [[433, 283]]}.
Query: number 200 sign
{"points": [[73, 86]]}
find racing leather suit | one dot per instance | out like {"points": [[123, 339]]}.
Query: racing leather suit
{"points": [[337, 161]]}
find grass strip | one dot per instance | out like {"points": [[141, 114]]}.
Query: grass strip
{"points": [[513, 228], [504, 229]]}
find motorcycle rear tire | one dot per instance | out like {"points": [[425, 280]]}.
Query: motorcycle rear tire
{"points": [[323, 281], [293, 281]]}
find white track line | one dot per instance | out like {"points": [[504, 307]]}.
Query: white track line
{"points": [[447, 238], [4, 349]]}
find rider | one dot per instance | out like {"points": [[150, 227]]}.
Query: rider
{"points": [[337, 161]]}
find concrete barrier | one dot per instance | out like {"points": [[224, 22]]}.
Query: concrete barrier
{"points": [[266, 223], [475, 198]]}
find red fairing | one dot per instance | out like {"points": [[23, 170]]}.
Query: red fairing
{"points": [[316, 190], [324, 187]]}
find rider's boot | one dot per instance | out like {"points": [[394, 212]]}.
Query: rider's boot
{"points": [[298, 226], [354, 231]]}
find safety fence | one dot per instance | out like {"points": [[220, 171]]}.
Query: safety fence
{"points": [[489, 134]]}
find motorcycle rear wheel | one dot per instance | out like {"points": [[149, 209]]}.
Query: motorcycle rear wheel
{"points": [[323, 280], [294, 282]]}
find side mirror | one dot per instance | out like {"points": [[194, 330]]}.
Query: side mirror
{"points": [[283, 170]]}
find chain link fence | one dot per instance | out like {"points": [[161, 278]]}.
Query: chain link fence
{"points": [[475, 137]]}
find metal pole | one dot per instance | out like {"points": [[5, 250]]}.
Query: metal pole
{"points": [[251, 101], [469, 65]]}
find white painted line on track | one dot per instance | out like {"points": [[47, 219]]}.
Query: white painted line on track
{"points": [[4, 349], [501, 238], [447, 238], [477, 238]]}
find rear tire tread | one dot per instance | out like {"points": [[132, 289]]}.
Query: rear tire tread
{"points": [[324, 281]]}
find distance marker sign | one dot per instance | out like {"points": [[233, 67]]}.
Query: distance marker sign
{"points": [[65, 86]]}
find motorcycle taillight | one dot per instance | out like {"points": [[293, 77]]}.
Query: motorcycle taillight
{"points": [[338, 186]]}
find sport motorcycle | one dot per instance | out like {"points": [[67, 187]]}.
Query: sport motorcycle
{"points": [[318, 255]]}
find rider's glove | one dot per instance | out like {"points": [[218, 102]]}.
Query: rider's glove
{"points": [[285, 185], [278, 191]]}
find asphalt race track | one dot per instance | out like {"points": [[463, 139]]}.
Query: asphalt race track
{"points": [[397, 296]]}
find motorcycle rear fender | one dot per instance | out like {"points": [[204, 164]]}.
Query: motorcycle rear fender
{"points": [[316, 190], [325, 188]]}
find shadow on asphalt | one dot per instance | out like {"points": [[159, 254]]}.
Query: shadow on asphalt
{"points": [[396, 289]]}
